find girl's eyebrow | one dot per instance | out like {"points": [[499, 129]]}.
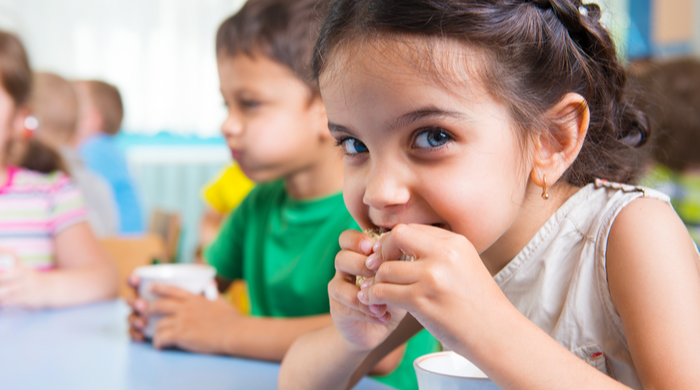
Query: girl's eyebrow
{"points": [[423, 113], [335, 128], [406, 119]]}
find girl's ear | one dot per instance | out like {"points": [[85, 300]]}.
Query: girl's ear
{"points": [[557, 148]]}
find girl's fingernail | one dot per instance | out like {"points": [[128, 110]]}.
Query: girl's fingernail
{"points": [[374, 309], [366, 284], [371, 259], [384, 318], [366, 246], [377, 245], [360, 296]]}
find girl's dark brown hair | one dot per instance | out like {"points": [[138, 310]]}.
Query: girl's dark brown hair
{"points": [[16, 79], [537, 52]]}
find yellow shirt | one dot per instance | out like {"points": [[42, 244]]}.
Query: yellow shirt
{"points": [[228, 190]]}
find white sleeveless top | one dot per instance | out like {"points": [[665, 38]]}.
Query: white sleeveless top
{"points": [[559, 280]]}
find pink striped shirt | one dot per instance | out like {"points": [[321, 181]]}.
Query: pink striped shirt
{"points": [[34, 208]]}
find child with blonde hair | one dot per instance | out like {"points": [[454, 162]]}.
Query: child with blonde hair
{"points": [[496, 142], [54, 258]]}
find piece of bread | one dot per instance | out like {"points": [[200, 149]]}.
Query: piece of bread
{"points": [[376, 234]]}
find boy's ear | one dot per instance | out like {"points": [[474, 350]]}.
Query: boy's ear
{"points": [[557, 148]]}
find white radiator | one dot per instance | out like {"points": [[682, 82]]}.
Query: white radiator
{"points": [[171, 178]]}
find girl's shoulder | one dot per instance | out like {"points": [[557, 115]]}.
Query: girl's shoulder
{"points": [[26, 181]]}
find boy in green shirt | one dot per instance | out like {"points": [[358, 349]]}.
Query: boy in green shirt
{"points": [[283, 238]]}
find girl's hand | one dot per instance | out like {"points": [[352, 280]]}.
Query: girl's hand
{"points": [[21, 286], [362, 328], [447, 288], [190, 322]]}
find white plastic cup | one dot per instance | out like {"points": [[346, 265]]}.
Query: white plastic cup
{"points": [[450, 371], [195, 278]]}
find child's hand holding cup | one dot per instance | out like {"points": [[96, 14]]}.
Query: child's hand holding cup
{"points": [[195, 278]]}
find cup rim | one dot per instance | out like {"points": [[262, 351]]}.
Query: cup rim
{"points": [[420, 359]]}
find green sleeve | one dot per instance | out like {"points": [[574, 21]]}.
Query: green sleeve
{"points": [[226, 252]]}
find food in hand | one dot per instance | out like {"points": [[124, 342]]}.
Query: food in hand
{"points": [[376, 234]]}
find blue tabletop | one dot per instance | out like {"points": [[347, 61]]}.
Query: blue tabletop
{"points": [[88, 348]]}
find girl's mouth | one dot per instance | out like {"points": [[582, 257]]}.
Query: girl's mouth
{"points": [[379, 230]]}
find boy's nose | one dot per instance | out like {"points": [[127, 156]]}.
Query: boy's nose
{"points": [[232, 126], [385, 188]]}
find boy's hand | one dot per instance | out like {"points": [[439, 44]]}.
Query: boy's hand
{"points": [[447, 288], [363, 327], [21, 286], [190, 322]]}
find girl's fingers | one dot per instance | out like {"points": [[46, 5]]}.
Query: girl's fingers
{"points": [[355, 241], [389, 294], [399, 272], [349, 313], [352, 263], [345, 293]]}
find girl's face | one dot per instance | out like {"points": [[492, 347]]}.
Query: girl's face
{"points": [[420, 152]]}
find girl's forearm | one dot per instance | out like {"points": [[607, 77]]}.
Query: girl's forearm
{"points": [[267, 338], [80, 285], [320, 360]]}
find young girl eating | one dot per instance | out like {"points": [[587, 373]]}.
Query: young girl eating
{"points": [[490, 138], [50, 257]]}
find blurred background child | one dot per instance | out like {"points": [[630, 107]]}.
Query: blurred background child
{"points": [[673, 91], [55, 106], [56, 260], [100, 114]]}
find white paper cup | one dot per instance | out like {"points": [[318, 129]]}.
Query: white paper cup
{"points": [[195, 278], [449, 371]]}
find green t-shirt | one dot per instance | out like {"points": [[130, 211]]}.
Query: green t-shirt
{"points": [[285, 250]]}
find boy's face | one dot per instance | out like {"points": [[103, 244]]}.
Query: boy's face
{"points": [[273, 127]]}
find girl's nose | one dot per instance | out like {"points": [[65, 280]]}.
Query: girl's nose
{"points": [[385, 188], [232, 126]]}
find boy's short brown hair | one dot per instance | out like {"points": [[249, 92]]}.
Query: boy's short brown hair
{"points": [[106, 99], [283, 30], [54, 104], [674, 107]]}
